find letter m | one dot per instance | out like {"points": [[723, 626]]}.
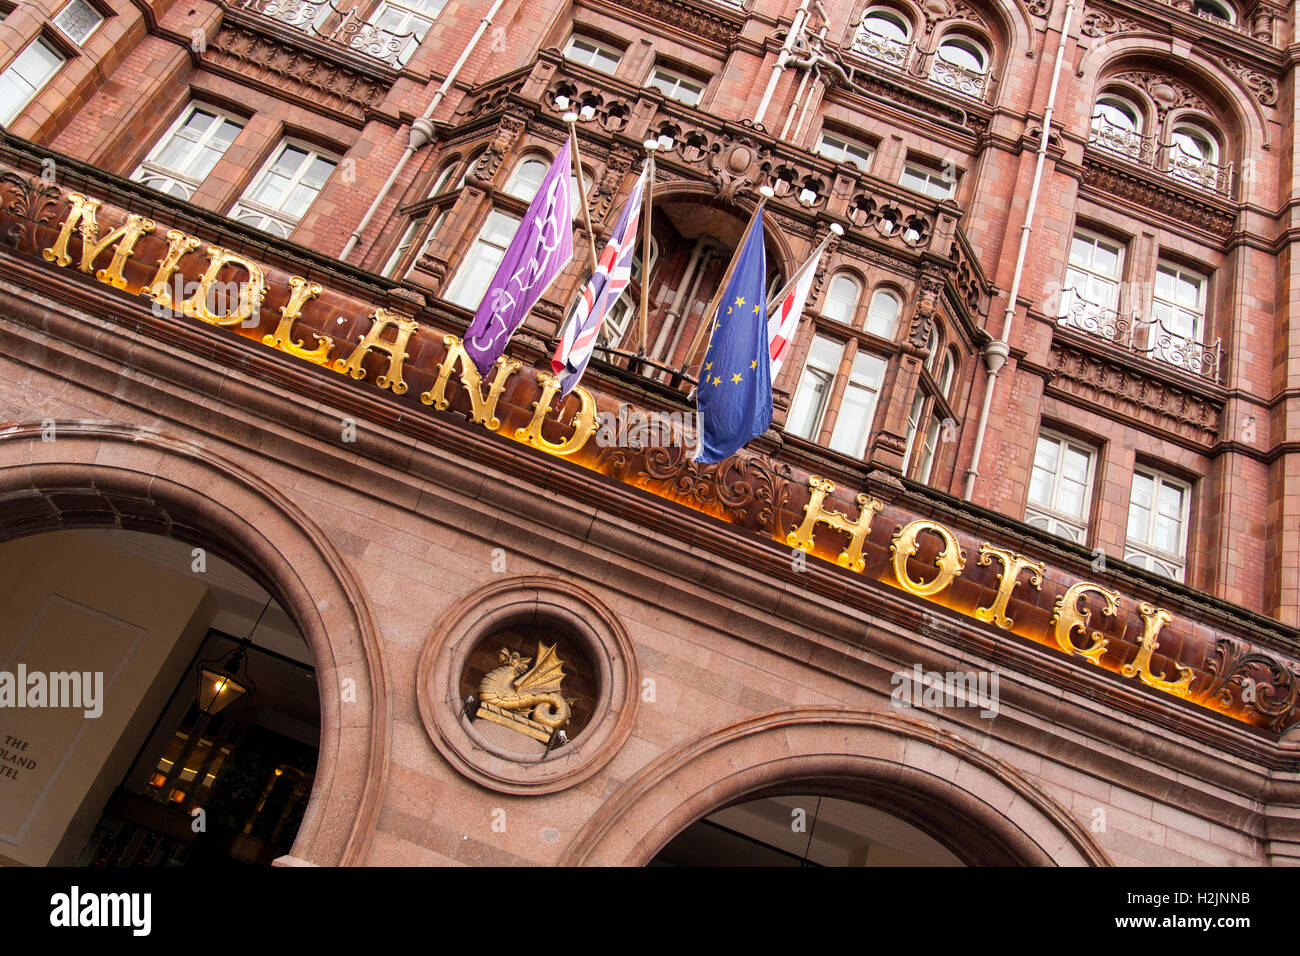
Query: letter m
{"points": [[115, 909], [82, 218]]}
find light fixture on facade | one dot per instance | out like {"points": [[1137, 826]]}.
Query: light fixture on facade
{"points": [[221, 684]]}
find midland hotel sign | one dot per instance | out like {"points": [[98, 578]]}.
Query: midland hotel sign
{"points": [[881, 545]]}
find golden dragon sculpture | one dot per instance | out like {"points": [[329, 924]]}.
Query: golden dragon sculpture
{"points": [[508, 692]]}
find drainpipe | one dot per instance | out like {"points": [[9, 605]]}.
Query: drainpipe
{"points": [[796, 28], [995, 354], [421, 130]]}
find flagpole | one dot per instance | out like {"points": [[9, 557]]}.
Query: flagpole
{"points": [[650, 146], [572, 119], [835, 230], [711, 313]]}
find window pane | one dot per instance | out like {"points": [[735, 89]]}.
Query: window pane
{"points": [[25, 77], [809, 403], [841, 298], [481, 262], [882, 317], [527, 178]]}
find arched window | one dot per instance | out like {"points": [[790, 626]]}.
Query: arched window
{"points": [[947, 372], [1215, 10], [932, 343], [1196, 143], [1117, 124], [964, 52], [527, 176], [888, 23], [841, 299], [1194, 154], [444, 176], [882, 317], [884, 34]]}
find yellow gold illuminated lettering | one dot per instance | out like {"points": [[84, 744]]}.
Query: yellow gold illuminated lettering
{"points": [[178, 245], [1153, 619], [949, 561], [583, 423], [1012, 565], [482, 410], [1067, 617], [815, 511], [395, 350], [301, 292], [251, 291], [82, 216]]}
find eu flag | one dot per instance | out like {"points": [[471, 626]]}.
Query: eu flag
{"points": [[734, 398]]}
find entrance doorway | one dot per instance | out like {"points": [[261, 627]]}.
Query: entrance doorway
{"points": [[200, 748], [806, 830]]}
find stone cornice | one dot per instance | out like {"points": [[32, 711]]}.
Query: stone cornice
{"points": [[1185, 412], [1147, 192], [304, 70]]}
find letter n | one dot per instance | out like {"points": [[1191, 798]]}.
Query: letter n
{"points": [[482, 410]]}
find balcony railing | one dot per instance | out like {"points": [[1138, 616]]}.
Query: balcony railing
{"points": [[1149, 338], [326, 21], [906, 57], [876, 47], [1167, 158]]}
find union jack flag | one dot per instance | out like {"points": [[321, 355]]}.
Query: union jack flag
{"points": [[607, 283]]}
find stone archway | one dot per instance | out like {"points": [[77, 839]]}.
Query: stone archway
{"points": [[96, 474], [983, 809]]}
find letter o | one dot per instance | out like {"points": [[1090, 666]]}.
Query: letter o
{"points": [[949, 562]]}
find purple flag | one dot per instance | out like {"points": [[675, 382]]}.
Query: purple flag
{"points": [[541, 248]]}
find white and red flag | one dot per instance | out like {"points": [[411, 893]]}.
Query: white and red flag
{"points": [[785, 310], [607, 283]]}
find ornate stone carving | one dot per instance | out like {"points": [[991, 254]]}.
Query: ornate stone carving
{"points": [[1236, 665], [941, 11], [1039, 8], [1167, 92], [1099, 23], [823, 265], [1089, 376], [929, 290], [1158, 195], [602, 196], [32, 202], [284, 68], [1263, 88], [733, 166], [688, 18], [509, 130]]}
